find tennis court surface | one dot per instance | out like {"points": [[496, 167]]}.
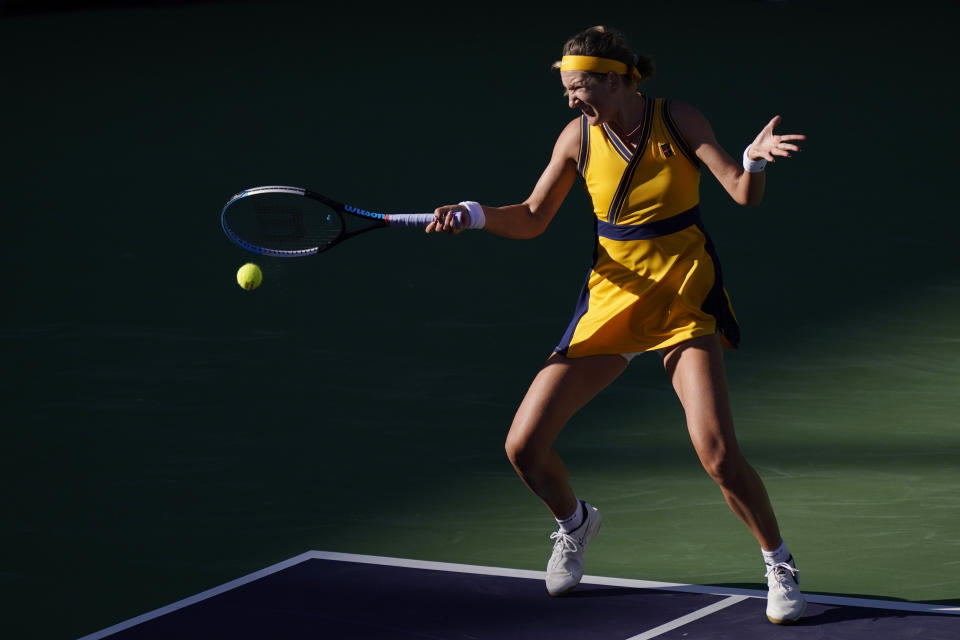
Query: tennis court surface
{"points": [[335, 595]]}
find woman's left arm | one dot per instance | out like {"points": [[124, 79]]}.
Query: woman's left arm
{"points": [[744, 187]]}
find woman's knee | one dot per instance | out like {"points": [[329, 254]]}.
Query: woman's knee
{"points": [[725, 467], [523, 454]]}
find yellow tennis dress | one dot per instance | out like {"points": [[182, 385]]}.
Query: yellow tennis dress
{"points": [[655, 279]]}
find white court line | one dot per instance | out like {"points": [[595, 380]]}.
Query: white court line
{"points": [[200, 597], [690, 617], [917, 607], [843, 601]]}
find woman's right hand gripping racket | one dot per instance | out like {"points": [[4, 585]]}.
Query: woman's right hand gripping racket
{"points": [[291, 222]]}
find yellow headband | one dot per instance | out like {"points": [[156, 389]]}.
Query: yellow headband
{"points": [[598, 65]]}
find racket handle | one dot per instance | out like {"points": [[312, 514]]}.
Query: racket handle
{"points": [[414, 219]]}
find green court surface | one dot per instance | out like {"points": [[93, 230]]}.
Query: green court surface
{"points": [[166, 432]]}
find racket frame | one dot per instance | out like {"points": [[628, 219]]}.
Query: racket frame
{"points": [[378, 220]]}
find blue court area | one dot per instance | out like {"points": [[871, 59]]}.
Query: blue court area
{"points": [[335, 595]]}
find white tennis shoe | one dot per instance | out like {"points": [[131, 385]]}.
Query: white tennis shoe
{"points": [[565, 567], [785, 603]]}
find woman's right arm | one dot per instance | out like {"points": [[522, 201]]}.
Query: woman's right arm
{"points": [[531, 217]]}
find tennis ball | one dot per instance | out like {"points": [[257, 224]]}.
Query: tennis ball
{"points": [[249, 276]]}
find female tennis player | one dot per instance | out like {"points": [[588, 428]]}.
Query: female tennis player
{"points": [[655, 286]]}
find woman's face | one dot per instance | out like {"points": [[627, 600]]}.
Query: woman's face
{"points": [[588, 93]]}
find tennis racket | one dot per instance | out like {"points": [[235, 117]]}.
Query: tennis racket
{"points": [[291, 222]]}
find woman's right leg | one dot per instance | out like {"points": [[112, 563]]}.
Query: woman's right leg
{"points": [[560, 389]]}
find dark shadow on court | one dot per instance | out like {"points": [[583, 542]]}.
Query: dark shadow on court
{"points": [[835, 615], [832, 614], [601, 592]]}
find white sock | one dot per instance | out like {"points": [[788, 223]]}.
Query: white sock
{"points": [[574, 520], [780, 554]]}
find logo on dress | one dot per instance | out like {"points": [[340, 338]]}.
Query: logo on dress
{"points": [[666, 149]]}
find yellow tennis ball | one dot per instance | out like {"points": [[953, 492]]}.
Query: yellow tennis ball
{"points": [[249, 276]]}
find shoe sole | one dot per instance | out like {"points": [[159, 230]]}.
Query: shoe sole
{"points": [[557, 594], [789, 621]]}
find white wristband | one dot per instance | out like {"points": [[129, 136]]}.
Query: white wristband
{"points": [[477, 219], [753, 166]]}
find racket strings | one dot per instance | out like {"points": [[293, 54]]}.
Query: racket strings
{"points": [[283, 223]]}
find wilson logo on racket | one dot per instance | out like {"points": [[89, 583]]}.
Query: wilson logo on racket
{"points": [[364, 213]]}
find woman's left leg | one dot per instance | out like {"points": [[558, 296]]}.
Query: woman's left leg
{"points": [[696, 370]]}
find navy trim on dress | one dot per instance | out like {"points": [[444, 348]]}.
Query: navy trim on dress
{"points": [[584, 157], [717, 303], [677, 136], [618, 144], [649, 230], [583, 302], [613, 213]]}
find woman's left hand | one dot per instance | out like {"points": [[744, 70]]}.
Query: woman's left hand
{"points": [[769, 146]]}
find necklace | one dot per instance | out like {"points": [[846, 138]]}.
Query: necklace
{"points": [[636, 128]]}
